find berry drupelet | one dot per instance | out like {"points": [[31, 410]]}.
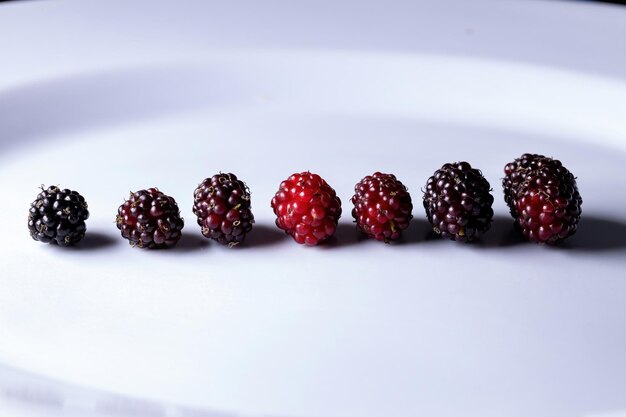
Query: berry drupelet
{"points": [[307, 208], [58, 216], [150, 219], [382, 206], [458, 202], [543, 198], [222, 205]]}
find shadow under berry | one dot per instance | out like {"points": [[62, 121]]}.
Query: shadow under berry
{"points": [[502, 233], [263, 235], [345, 235], [597, 234], [190, 242], [92, 241], [419, 231]]}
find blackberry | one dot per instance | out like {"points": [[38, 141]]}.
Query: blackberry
{"points": [[458, 202], [515, 174], [150, 219], [382, 206], [222, 205], [307, 208], [58, 216], [543, 198]]}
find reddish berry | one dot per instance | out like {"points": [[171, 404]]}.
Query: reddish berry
{"points": [[150, 219], [543, 198], [222, 205], [307, 208], [458, 202], [382, 206]]}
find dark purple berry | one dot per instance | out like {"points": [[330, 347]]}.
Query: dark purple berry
{"points": [[150, 219], [58, 216], [458, 202], [543, 198], [222, 205]]}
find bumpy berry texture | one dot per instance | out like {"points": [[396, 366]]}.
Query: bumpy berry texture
{"points": [[543, 198], [150, 219], [307, 208], [382, 206], [58, 216], [458, 202], [222, 206], [516, 172]]}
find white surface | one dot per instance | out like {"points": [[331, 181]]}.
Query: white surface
{"points": [[110, 97]]}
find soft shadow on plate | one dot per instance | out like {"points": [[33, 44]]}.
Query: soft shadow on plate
{"points": [[93, 241], [419, 231], [190, 242], [596, 234], [345, 235], [262, 235], [27, 391], [96, 240], [501, 234], [88, 100]]}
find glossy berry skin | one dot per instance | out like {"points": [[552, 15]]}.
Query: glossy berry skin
{"points": [[307, 208], [458, 202], [222, 206], [58, 216], [150, 219], [382, 206], [543, 198]]}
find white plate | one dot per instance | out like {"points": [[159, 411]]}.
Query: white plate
{"points": [[107, 97]]}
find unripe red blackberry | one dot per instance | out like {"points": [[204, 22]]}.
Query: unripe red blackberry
{"points": [[307, 208], [543, 198], [458, 202], [58, 216], [150, 219], [222, 205], [382, 206]]}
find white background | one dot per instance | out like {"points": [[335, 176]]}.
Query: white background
{"points": [[110, 97]]}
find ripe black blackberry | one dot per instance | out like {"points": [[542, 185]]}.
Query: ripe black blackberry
{"points": [[222, 205], [58, 216], [150, 219], [458, 202], [516, 173], [382, 206], [543, 198]]}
